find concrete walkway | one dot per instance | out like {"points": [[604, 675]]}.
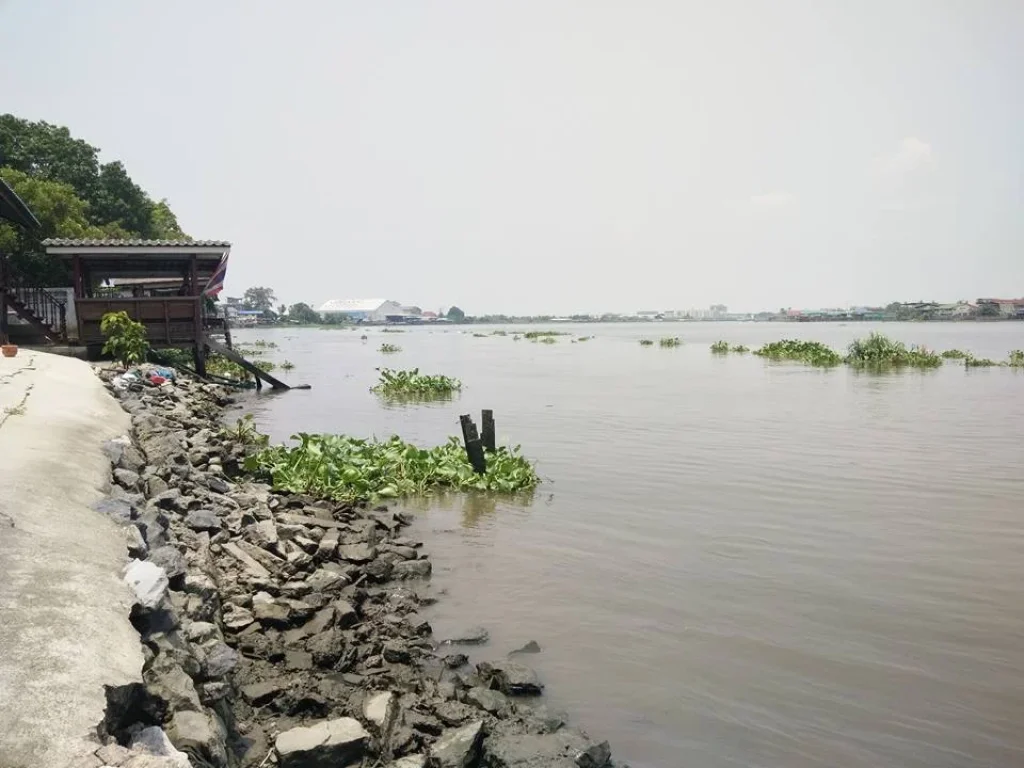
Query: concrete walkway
{"points": [[64, 629]]}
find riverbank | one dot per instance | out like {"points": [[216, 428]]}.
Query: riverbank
{"points": [[65, 631], [281, 627]]}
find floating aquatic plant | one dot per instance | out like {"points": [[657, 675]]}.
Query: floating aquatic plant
{"points": [[670, 341], [412, 383], [879, 351], [389, 349], [810, 352]]}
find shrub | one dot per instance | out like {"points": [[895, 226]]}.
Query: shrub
{"points": [[126, 339]]}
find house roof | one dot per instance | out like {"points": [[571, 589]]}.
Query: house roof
{"points": [[13, 208], [352, 305], [66, 242]]}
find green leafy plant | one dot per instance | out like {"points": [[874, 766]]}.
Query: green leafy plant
{"points": [[980, 362], [955, 354], [646, 343], [810, 352], [245, 432], [547, 340], [534, 335], [351, 469], [670, 341], [720, 347], [740, 349], [287, 365], [126, 339], [878, 351], [1016, 358], [389, 349], [413, 384]]}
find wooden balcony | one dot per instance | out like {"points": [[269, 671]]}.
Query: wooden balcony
{"points": [[170, 321]]}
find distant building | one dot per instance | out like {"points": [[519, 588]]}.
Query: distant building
{"points": [[364, 310], [1001, 307]]}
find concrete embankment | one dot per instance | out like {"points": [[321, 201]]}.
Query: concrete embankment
{"points": [[64, 627]]}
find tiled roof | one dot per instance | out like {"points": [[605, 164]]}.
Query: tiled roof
{"points": [[66, 242]]}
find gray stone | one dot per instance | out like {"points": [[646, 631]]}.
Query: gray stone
{"points": [[275, 614], [156, 486], [119, 510], [115, 448], [260, 693], [168, 681], [221, 660], [152, 742], [135, 542], [345, 614], [494, 702], [471, 636], [375, 707], [396, 652], [356, 553], [265, 533], [323, 580], [511, 678], [170, 559], [217, 485], [148, 582], [412, 569], [555, 750], [201, 632], [298, 660], [203, 520], [410, 761], [326, 744], [455, 660], [127, 478], [236, 618], [200, 735], [458, 748], [132, 459], [326, 648], [153, 525], [596, 756], [530, 647]]}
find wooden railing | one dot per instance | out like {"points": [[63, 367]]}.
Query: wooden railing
{"points": [[44, 308]]}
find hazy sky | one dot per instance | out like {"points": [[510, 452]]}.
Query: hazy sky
{"points": [[559, 155]]}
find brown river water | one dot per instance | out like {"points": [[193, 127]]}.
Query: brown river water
{"points": [[731, 562]]}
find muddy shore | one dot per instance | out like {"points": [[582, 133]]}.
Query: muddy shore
{"points": [[282, 629]]}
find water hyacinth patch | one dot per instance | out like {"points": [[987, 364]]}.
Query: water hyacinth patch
{"points": [[720, 347], [1016, 358], [414, 384], [980, 362], [389, 349], [955, 354], [670, 341], [351, 469], [878, 351], [646, 343], [810, 352], [534, 335]]}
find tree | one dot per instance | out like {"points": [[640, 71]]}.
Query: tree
{"points": [[259, 298], [303, 313], [165, 224], [456, 315], [121, 201], [49, 152], [282, 310]]}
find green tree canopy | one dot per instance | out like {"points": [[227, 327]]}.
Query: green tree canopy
{"points": [[456, 315], [259, 298], [303, 313]]}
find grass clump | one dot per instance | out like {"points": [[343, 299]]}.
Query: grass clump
{"points": [[670, 341], [389, 349], [351, 470], [646, 343], [414, 384], [810, 352], [878, 351]]}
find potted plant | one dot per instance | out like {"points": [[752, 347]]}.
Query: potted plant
{"points": [[8, 349]]}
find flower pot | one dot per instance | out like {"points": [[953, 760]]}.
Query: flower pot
{"points": [[9, 350]]}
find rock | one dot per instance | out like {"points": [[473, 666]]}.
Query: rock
{"points": [[511, 678], [298, 660], [126, 478], [455, 660], [260, 693], [119, 510], [217, 485], [153, 742], [221, 660], [556, 750], [458, 748], [168, 681], [201, 632], [135, 542], [322, 580], [530, 647], [275, 614], [200, 735], [132, 459], [327, 744], [357, 553], [396, 652], [170, 559], [114, 449], [412, 569], [494, 702], [379, 570], [148, 582], [265, 533], [203, 520], [375, 707], [155, 486], [345, 614], [597, 756], [236, 618], [326, 648], [471, 636], [153, 525], [410, 761]]}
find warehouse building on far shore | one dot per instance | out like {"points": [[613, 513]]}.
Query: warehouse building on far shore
{"points": [[366, 310]]}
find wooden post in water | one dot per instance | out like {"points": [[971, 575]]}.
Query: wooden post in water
{"points": [[487, 429], [474, 448]]}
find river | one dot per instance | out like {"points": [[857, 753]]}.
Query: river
{"points": [[731, 562]]}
